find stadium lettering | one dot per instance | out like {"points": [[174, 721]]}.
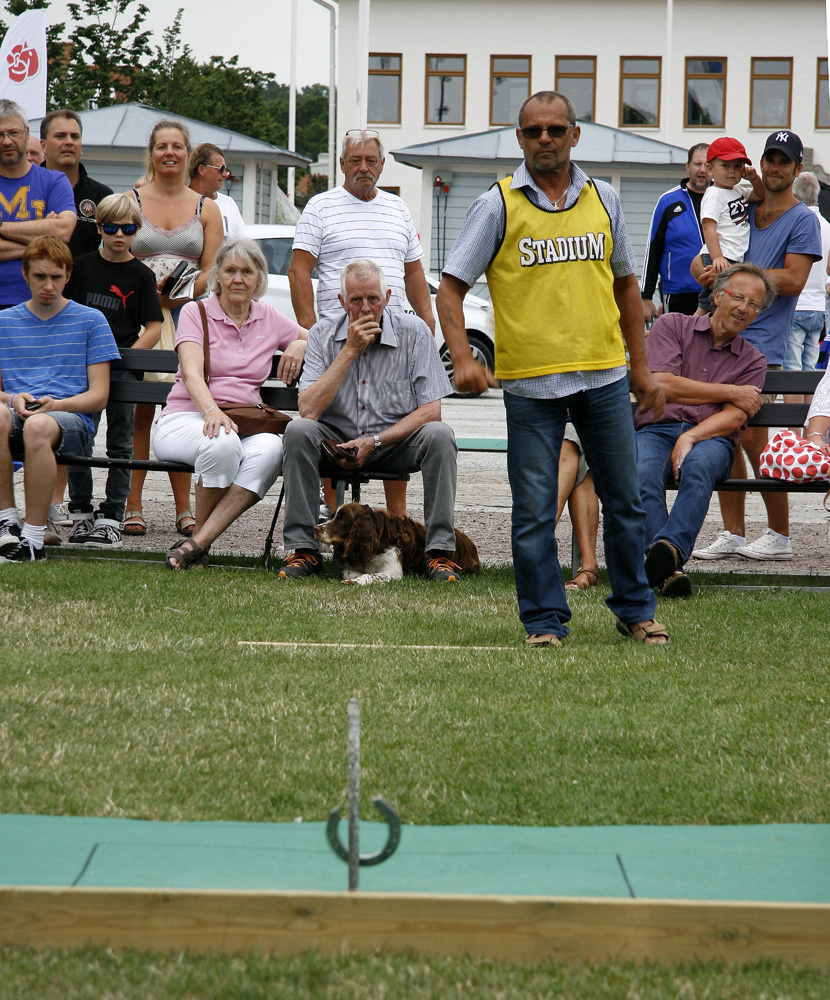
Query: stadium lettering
{"points": [[591, 246]]}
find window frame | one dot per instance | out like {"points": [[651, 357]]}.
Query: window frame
{"points": [[514, 75], [753, 76], [387, 72], [580, 76], [431, 73], [641, 76], [703, 76], [822, 78]]}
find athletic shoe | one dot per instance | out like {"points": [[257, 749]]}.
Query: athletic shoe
{"points": [[723, 547], [9, 535], [24, 551], [768, 546], [443, 568], [301, 564], [82, 525], [105, 534], [59, 515], [51, 536]]}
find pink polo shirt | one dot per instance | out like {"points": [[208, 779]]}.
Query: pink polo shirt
{"points": [[240, 359]]}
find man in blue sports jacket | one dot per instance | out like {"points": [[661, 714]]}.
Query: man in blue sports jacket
{"points": [[674, 240]]}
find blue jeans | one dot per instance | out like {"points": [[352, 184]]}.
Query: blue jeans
{"points": [[120, 427], [602, 418], [803, 341], [706, 464], [74, 434]]}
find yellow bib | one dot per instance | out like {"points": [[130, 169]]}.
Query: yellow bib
{"points": [[553, 288]]}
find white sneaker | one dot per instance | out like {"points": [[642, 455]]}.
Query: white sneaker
{"points": [[723, 547], [59, 515], [105, 534], [768, 546], [51, 536]]}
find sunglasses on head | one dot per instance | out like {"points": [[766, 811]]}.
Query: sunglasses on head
{"points": [[111, 228], [554, 131]]}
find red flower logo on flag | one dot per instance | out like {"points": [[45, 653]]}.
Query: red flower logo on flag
{"points": [[23, 63]]}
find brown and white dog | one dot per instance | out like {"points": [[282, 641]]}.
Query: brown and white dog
{"points": [[375, 546]]}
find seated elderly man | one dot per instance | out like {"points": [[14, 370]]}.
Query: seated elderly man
{"points": [[712, 379], [372, 380]]}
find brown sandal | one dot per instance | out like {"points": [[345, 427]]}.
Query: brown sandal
{"points": [[652, 633], [538, 641], [184, 554], [185, 524], [592, 580]]}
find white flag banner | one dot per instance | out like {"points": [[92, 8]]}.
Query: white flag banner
{"points": [[23, 63]]}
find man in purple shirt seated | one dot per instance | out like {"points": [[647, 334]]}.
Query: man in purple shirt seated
{"points": [[712, 379]]}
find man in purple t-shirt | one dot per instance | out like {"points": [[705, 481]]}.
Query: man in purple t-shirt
{"points": [[712, 379]]}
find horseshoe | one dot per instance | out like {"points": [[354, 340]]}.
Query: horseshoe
{"points": [[392, 840]]}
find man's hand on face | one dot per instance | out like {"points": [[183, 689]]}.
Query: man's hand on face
{"points": [[363, 331]]}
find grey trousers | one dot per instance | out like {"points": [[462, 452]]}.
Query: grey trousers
{"points": [[431, 448]]}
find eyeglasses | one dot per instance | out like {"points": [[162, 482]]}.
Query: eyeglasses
{"points": [[554, 131], [370, 132], [222, 168], [13, 133], [127, 228], [739, 300]]}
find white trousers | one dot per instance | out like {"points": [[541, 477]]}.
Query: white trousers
{"points": [[252, 463]]}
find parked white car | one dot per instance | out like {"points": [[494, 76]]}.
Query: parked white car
{"points": [[276, 243]]}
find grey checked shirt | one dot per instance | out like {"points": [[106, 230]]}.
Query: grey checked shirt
{"points": [[391, 379], [481, 238]]}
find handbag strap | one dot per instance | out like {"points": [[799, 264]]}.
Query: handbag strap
{"points": [[206, 346]]}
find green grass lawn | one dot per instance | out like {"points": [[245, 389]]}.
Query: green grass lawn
{"points": [[123, 692]]}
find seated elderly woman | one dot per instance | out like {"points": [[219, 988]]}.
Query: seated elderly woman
{"points": [[233, 473]]}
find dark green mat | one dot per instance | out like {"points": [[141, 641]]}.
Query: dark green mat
{"points": [[774, 863]]}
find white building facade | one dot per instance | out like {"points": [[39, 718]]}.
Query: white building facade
{"points": [[680, 72]]}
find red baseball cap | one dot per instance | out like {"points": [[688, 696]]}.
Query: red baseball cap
{"points": [[727, 149]]}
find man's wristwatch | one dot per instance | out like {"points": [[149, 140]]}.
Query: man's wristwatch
{"points": [[378, 444]]}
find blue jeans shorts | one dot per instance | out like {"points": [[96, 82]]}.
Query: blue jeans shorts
{"points": [[74, 434]]}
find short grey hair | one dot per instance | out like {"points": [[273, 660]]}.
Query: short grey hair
{"points": [[548, 97], [10, 109], [359, 137], [806, 188], [363, 270], [722, 280], [246, 252]]}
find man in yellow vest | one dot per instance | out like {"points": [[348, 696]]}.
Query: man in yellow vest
{"points": [[561, 273]]}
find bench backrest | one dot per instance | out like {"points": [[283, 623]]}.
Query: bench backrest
{"points": [[167, 362]]}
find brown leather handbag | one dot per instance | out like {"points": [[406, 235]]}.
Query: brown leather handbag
{"points": [[250, 420]]}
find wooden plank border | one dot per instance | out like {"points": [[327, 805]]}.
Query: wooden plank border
{"points": [[496, 927]]}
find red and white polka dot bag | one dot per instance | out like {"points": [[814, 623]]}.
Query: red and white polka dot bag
{"points": [[790, 457]]}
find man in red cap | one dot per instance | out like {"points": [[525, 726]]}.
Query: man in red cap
{"points": [[724, 214]]}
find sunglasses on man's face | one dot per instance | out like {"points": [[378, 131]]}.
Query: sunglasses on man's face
{"points": [[111, 228], [221, 167], [554, 131]]}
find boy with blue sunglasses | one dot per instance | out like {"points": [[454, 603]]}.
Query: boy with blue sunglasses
{"points": [[124, 290]]}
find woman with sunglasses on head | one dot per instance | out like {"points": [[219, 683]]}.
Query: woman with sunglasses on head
{"points": [[111, 280], [178, 225]]}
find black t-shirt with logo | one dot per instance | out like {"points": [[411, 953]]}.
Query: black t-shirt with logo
{"points": [[87, 193], [124, 292]]}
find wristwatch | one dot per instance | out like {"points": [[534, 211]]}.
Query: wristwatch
{"points": [[377, 443]]}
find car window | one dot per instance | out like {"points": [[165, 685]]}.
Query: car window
{"points": [[278, 252]]}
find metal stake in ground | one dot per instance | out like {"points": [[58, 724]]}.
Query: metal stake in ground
{"points": [[353, 855]]}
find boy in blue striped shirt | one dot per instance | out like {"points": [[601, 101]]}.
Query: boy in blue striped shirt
{"points": [[54, 374]]}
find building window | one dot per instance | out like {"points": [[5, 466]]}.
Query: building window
{"points": [[822, 96], [639, 91], [705, 93], [446, 90], [771, 93], [576, 78], [509, 87], [384, 94]]}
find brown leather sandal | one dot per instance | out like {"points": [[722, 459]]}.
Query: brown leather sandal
{"points": [[538, 641], [592, 580], [185, 554], [652, 633]]}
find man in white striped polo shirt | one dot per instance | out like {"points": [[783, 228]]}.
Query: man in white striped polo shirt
{"points": [[353, 222]]}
